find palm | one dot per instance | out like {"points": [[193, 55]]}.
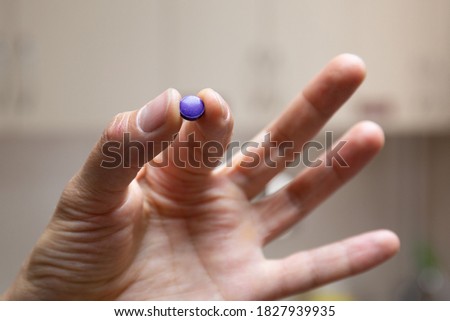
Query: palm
{"points": [[207, 247], [196, 232]]}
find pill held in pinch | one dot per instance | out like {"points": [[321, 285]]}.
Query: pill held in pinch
{"points": [[191, 108]]}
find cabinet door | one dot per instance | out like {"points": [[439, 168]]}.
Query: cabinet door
{"points": [[209, 44], [80, 63], [405, 44]]}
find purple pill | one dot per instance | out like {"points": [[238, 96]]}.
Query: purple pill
{"points": [[191, 108]]}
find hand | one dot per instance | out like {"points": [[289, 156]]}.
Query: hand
{"points": [[170, 233]]}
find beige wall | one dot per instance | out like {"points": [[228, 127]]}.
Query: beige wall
{"points": [[387, 194]]}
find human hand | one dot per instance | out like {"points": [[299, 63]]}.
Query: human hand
{"points": [[171, 233]]}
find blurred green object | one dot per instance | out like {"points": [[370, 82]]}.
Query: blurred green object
{"points": [[430, 283], [425, 256]]}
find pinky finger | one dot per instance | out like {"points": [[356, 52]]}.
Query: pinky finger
{"points": [[307, 270]]}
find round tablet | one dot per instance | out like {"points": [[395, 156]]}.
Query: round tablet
{"points": [[191, 108]]}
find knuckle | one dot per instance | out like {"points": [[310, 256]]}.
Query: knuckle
{"points": [[117, 127]]}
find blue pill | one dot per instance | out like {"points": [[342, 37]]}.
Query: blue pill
{"points": [[191, 108]]}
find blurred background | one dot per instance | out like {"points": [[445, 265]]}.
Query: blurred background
{"points": [[67, 67]]}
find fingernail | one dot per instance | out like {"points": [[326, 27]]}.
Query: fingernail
{"points": [[223, 104], [153, 114]]}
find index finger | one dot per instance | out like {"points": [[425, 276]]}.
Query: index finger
{"points": [[301, 120]]}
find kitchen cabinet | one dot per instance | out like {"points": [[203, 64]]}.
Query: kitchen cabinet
{"points": [[71, 65]]}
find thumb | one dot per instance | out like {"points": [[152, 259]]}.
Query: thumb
{"points": [[131, 139]]}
